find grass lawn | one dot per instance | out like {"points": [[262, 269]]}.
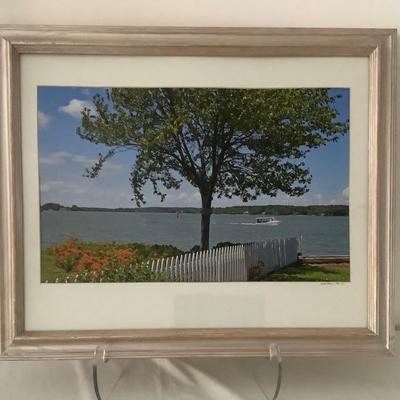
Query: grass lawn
{"points": [[49, 270], [310, 272], [58, 263]]}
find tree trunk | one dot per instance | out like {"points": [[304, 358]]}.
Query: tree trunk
{"points": [[206, 212]]}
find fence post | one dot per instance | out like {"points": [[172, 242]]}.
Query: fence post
{"points": [[207, 266], [244, 266], [196, 267], [200, 266], [218, 265], [213, 270], [191, 274], [178, 268], [203, 266], [235, 252], [210, 268], [239, 262], [231, 263], [299, 244], [187, 267], [223, 266]]}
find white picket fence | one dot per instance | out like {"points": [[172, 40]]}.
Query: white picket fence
{"points": [[274, 253], [228, 264]]}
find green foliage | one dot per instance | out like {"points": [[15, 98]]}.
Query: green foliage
{"points": [[327, 210], [49, 270], [125, 273], [51, 206], [219, 139], [67, 264], [224, 244], [304, 272], [256, 272], [195, 249], [74, 260], [224, 142]]}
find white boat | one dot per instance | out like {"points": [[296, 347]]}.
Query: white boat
{"points": [[271, 221]]}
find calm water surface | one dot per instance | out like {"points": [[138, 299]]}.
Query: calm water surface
{"points": [[321, 235]]}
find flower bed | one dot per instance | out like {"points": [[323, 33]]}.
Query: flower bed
{"points": [[77, 261]]}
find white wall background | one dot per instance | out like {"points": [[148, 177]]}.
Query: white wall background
{"points": [[310, 379]]}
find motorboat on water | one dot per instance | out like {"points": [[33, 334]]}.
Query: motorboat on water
{"points": [[271, 221]]}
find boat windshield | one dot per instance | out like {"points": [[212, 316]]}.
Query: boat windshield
{"points": [[265, 219]]}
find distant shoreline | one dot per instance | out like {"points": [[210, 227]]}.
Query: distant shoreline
{"points": [[320, 210]]}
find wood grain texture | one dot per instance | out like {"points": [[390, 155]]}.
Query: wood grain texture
{"points": [[379, 45], [11, 218], [194, 41]]}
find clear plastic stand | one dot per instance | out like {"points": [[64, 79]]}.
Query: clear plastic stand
{"points": [[100, 355], [274, 352]]}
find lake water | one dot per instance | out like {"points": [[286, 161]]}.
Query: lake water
{"points": [[321, 235]]}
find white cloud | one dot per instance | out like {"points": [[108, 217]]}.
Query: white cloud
{"points": [[55, 158], [182, 196], [74, 108], [187, 197], [345, 192], [43, 120], [78, 189], [78, 158], [195, 196], [179, 198], [61, 157], [318, 197], [57, 188], [124, 196], [84, 192], [61, 154], [49, 185], [110, 168]]}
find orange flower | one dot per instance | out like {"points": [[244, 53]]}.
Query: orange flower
{"points": [[76, 256]]}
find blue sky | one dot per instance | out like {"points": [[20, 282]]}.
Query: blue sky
{"points": [[63, 157]]}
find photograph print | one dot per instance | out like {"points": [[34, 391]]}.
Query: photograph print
{"points": [[193, 184]]}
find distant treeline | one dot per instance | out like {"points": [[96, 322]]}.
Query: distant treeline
{"points": [[328, 210]]}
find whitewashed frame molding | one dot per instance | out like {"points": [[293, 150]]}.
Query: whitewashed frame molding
{"points": [[16, 343]]}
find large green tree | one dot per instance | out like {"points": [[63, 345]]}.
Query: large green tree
{"points": [[224, 142]]}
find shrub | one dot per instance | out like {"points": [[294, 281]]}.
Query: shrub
{"points": [[224, 244], [195, 249], [125, 273], [108, 262], [74, 256], [256, 272]]}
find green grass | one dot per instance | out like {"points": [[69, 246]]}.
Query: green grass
{"points": [[298, 272], [49, 270], [50, 273], [303, 272]]}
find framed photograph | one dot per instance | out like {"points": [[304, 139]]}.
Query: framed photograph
{"points": [[173, 192]]}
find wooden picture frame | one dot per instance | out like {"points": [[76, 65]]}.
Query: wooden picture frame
{"points": [[377, 44]]}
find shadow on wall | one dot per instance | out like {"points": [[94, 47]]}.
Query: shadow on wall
{"points": [[145, 379], [204, 379], [196, 310], [216, 378]]}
